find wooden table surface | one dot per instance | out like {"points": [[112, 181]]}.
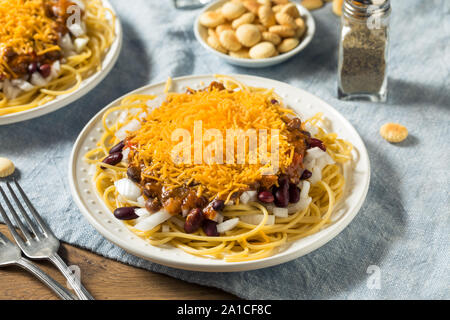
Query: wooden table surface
{"points": [[104, 278]]}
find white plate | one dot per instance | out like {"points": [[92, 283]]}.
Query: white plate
{"points": [[201, 33], [304, 103], [87, 85]]}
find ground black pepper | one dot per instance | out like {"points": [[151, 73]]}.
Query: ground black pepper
{"points": [[363, 51], [363, 61]]}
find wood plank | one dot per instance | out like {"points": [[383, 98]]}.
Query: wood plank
{"points": [[104, 278]]}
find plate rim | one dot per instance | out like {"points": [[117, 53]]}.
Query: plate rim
{"points": [[257, 63], [276, 259], [90, 82]]}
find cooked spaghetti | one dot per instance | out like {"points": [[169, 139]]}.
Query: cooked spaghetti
{"points": [[47, 47], [231, 210]]}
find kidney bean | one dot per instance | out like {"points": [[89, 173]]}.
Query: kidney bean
{"points": [[274, 101], [125, 213], [283, 180], [218, 205], [266, 196], [152, 205], [113, 158], [45, 70], [294, 193], [306, 175], [210, 228], [281, 194], [294, 124], [151, 189], [134, 174], [54, 55], [118, 147], [306, 133], [193, 220], [32, 67], [201, 202], [9, 52], [313, 142]]}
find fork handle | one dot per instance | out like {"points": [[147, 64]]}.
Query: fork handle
{"points": [[79, 289], [45, 278]]}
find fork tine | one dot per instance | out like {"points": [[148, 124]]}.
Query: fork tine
{"points": [[25, 231], [34, 212], [28, 221], [9, 224]]}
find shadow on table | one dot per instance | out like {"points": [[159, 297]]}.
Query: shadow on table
{"points": [[404, 92]]}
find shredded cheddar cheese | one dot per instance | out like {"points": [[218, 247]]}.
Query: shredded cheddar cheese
{"points": [[26, 29], [218, 110]]}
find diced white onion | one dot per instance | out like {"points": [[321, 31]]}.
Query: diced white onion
{"points": [[153, 220], [22, 84], [184, 212], [122, 117], [80, 43], [165, 228], [141, 201], [128, 189], [76, 29], [66, 43], [248, 196], [315, 160], [155, 103], [131, 126], [227, 225], [304, 193], [38, 80], [55, 70], [141, 212], [142, 218], [281, 212], [9, 90], [257, 218], [309, 164], [125, 154], [316, 175], [314, 153]]}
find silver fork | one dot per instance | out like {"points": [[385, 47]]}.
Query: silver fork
{"points": [[39, 242], [10, 255]]}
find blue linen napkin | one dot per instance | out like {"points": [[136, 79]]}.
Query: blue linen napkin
{"points": [[401, 234]]}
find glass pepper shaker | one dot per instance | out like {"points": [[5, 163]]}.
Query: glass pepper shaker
{"points": [[363, 50]]}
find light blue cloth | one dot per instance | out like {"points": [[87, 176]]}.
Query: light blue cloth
{"points": [[403, 227]]}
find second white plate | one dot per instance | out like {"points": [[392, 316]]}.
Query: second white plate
{"points": [[87, 85], [305, 105]]}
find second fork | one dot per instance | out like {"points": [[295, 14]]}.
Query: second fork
{"points": [[39, 242]]}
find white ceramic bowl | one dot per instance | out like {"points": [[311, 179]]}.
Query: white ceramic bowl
{"points": [[201, 33], [304, 103], [87, 85]]}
